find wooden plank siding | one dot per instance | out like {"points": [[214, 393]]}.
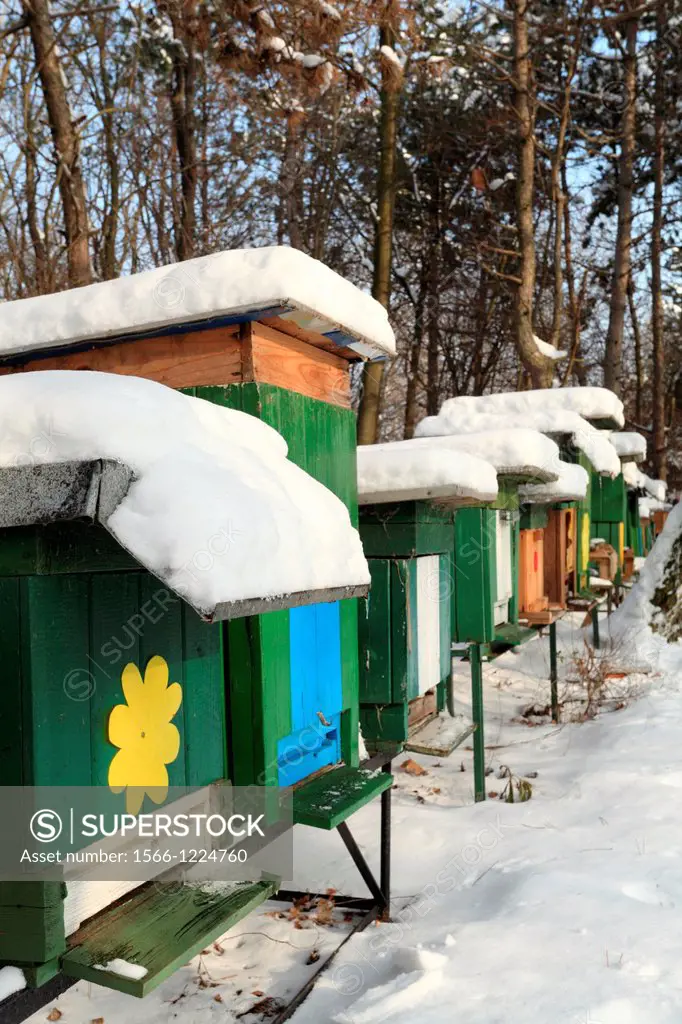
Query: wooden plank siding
{"points": [[76, 633], [215, 356], [321, 439]]}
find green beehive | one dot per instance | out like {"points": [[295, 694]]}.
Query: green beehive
{"points": [[614, 505], [410, 498], [270, 685]]}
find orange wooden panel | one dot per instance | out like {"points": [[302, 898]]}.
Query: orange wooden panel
{"points": [[318, 340], [660, 516], [275, 358], [532, 597], [213, 356], [570, 530]]}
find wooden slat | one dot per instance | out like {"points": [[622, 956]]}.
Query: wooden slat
{"points": [[31, 934], [331, 798], [11, 747], [56, 671], [204, 700], [278, 323], [159, 929], [271, 357], [207, 357]]}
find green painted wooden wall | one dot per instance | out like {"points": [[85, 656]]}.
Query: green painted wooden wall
{"points": [[608, 504], [322, 440], [63, 678], [72, 617]]}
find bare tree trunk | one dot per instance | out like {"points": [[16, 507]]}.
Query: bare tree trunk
{"points": [[42, 277], [658, 391], [65, 138], [575, 364], [183, 100], [415, 358], [433, 308], [559, 194], [368, 414], [289, 212], [109, 269], [613, 352], [538, 366], [639, 358]]}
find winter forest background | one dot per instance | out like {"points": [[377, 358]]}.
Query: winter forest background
{"points": [[496, 172]]}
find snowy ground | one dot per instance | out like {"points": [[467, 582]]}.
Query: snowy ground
{"points": [[559, 909]]}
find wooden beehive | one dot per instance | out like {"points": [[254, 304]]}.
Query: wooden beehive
{"points": [[533, 601], [660, 517], [288, 668], [406, 621], [609, 512], [486, 557], [288, 678], [561, 555]]}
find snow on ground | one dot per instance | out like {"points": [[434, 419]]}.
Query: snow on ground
{"points": [[562, 909], [631, 622]]}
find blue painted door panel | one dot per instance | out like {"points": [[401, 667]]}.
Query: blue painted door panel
{"points": [[316, 693]]}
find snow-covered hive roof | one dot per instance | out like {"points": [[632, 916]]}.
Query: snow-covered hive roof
{"points": [[519, 453], [226, 287], [598, 405], [629, 444], [634, 477], [202, 496], [397, 472], [571, 486], [455, 420]]}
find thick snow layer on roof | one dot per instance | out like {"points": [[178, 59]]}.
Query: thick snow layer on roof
{"points": [[398, 472], [571, 486], [277, 279], [512, 452], [216, 510], [634, 477], [632, 474], [591, 403], [558, 422], [657, 489], [629, 444]]}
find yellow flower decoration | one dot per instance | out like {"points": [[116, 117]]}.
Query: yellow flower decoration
{"points": [[143, 732]]}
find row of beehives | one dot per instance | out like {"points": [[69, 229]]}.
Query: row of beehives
{"points": [[476, 531]]}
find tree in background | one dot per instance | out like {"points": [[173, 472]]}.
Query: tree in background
{"points": [[517, 136]]}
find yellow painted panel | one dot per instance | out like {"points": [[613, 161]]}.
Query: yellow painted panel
{"points": [[585, 542]]}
